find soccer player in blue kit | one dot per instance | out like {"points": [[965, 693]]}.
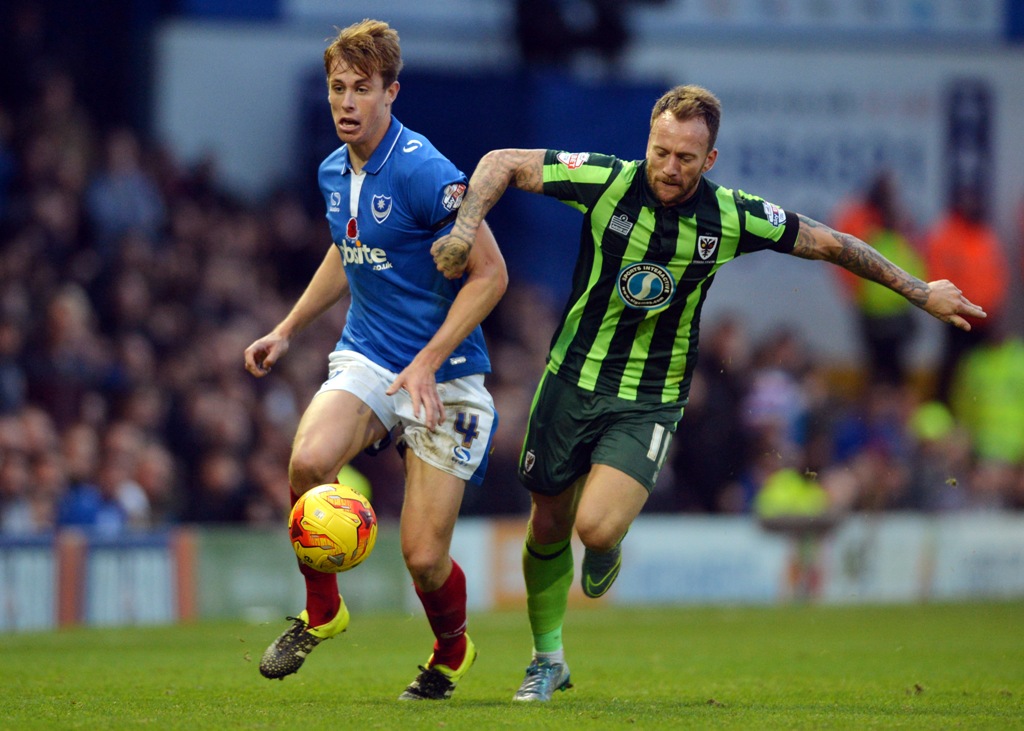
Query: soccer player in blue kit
{"points": [[411, 357]]}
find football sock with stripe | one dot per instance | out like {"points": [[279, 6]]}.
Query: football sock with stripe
{"points": [[548, 573]]}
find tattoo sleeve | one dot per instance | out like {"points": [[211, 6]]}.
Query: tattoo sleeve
{"points": [[523, 169], [817, 241]]}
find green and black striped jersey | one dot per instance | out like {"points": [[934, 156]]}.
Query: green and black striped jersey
{"points": [[631, 324]]}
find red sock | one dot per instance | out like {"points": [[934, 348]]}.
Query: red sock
{"points": [[322, 600], [446, 612]]}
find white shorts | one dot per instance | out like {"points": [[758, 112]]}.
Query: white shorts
{"points": [[459, 446]]}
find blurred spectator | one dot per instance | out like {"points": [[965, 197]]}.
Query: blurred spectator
{"points": [[156, 474], [8, 160], [941, 460], [293, 246], [59, 117], [872, 446], [711, 444], [266, 503], [776, 408], [122, 445], [787, 493], [80, 447], [963, 246], [122, 197], [94, 505], [49, 483], [987, 397], [219, 495], [13, 382], [67, 359], [16, 515], [886, 319]]}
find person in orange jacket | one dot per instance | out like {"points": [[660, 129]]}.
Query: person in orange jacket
{"points": [[964, 245]]}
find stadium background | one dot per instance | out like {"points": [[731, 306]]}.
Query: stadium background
{"points": [[818, 96]]}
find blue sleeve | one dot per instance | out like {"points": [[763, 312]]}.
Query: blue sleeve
{"points": [[435, 191]]}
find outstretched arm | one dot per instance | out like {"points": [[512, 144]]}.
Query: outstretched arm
{"points": [[941, 299], [498, 169], [328, 285]]}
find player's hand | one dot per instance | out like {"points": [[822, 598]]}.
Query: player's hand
{"points": [[261, 356], [418, 379], [450, 254], [947, 303]]}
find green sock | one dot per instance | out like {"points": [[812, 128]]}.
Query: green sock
{"points": [[548, 572]]}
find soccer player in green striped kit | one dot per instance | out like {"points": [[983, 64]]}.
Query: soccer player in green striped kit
{"points": [[654, 233]]}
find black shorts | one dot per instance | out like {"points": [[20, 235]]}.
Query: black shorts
{"points": [[571, 429]]}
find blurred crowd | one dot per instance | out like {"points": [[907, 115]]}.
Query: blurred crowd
{"points": [[131, 284]]}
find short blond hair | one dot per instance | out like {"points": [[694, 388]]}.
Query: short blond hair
{"points": [[691, 102], [369, 46]]}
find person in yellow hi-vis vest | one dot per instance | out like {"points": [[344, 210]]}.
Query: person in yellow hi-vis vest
{"points": [[885, 319], [987, 398]]}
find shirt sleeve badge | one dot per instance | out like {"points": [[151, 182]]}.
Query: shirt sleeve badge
{"points": [[453, 195]]}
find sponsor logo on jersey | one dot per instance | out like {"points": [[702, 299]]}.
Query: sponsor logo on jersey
{"points": [[645, 286], [353, 253], [620, 224], [452, 196], [412, 146], [706, 246], [335, 204], [457, 360], [381, 205], [529, 460], [776, 216], [572, 160]]}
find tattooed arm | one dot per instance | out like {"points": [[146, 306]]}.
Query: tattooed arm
{"points": [[523, 169], [941, 299]]}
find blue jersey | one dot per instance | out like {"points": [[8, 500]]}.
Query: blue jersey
{"points": [[384, 221]]}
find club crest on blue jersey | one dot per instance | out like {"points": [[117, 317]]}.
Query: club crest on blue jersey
{"points": [[381, 205], [645, 286]]}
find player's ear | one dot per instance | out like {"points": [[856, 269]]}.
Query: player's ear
{"points": [[710, 161], [392, 91]]}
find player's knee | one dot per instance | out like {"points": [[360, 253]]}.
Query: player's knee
{"points": [[547, 528], [425, 565], [598, 535], [307, 470]]}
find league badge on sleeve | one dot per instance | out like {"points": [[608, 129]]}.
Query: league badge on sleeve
{"points": [[572, 160], [776, 216], [453, 195]]}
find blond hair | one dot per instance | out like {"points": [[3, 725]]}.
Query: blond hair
{"points": [[691, 102], [369, 46]]}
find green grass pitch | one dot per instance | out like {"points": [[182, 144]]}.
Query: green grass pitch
{"points": [[933, 666]]}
